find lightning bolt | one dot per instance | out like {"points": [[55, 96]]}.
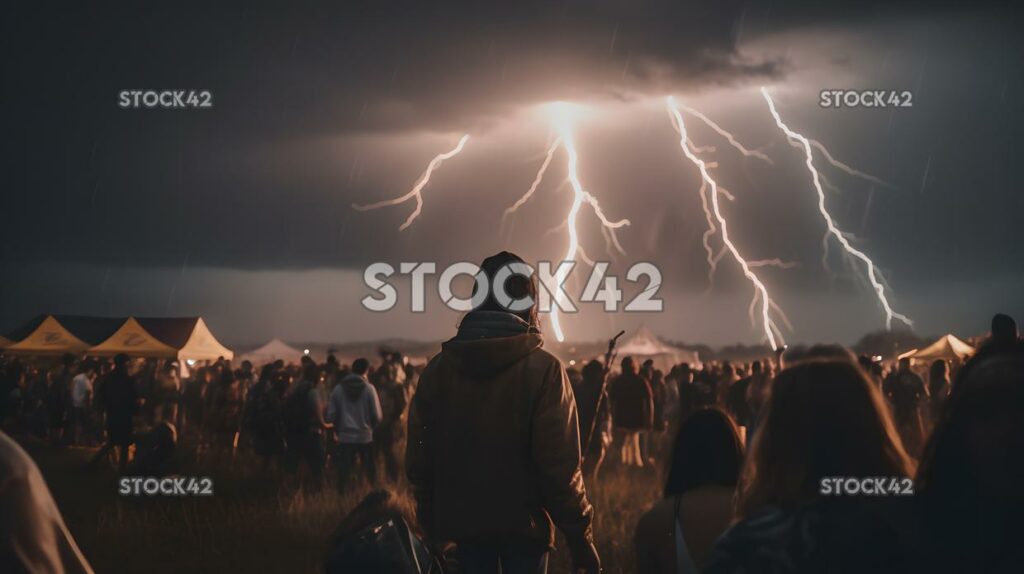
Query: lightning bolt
{"points": [[760, 291], [580, 196], [536, 182], [728, 136], [873, 275], [417, 189]]}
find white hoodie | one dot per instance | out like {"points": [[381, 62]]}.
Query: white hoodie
{"points": [[354, 408]]}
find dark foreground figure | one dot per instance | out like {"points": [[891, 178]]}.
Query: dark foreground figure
{"points": [[493, 453]]}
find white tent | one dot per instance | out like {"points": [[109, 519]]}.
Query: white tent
{"points": [[946, 347], [274, 350], [644, 344]]}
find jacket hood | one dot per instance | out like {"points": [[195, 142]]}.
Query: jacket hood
{"points": [[488, 342], [353, 386]]}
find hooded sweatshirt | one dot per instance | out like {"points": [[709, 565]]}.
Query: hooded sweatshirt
{"points": [[354, 408], [493, 446]]}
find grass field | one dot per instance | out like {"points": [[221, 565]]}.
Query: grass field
{"points": [[255, 523]]}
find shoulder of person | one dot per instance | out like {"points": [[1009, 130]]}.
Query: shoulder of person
{"points": [[542, 356], [15, 463]]}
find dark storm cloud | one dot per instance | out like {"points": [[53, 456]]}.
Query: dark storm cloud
{"points": [[312, 104]]}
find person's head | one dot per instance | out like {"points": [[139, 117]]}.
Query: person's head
{"points": [[68, 360], [516, 286], [593, 372], [121, 361], [1004, 328], [972, 470], [904, 364], [823, 418], [755, 368], [628, 366], [267, 372], [794, 355], [246, 367], [310, 372], [360, 366], [938, 370], [707, 451]]}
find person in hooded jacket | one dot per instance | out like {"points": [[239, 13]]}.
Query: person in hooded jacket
{"points": [[354, 408], [493, 453]]}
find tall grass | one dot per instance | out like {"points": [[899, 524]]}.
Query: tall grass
{"points": [[254, 522]]}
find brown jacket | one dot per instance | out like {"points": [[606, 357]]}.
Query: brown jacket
{"points": [[493, 447]]}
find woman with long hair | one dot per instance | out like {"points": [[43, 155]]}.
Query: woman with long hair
{"points": [[824, 420], [677, 534]]}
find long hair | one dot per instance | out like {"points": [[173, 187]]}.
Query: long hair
{"points": [[707, 451], [823, 418]]}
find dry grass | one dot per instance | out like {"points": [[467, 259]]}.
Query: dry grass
{"points": [[254, 523]]}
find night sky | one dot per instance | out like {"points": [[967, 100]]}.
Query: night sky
{"points": [[242, 213]]}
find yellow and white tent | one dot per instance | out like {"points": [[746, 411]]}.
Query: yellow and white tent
{"points": [[946, 347], [59, 334], [135, 341], [188, 335]]}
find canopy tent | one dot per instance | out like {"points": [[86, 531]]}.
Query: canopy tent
{"points": [[273, 350], [946, 347], [4, 341], [190, 337], [135, 341], [644, 345], [59, 334]]}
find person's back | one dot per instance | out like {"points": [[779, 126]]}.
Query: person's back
{"points": [[119, 395], [678, 533], [493, 453], [492, 411], [632, 402], [354, 409], [704, 514]]}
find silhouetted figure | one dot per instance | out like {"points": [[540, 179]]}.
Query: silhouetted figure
{"points": [[969, 483], [632, 410], [906, 393], [264, 412], [595, 430], [390, 387], [678, 533], [224, 416], [58, 399], [155, 451], [120, 402], [304, 425], [493, 454], [938, 388], [354, 410]]}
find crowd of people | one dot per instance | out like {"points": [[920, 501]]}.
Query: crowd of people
{"points": [[281, 414], [501, 443]]}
